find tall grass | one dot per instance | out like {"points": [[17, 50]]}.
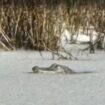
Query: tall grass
{"points": [[40, 26]]}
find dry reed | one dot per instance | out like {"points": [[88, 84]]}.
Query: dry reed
{"points": [[39, 27]]}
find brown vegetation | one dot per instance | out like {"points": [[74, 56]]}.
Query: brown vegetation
{"points": [[37, 24]]}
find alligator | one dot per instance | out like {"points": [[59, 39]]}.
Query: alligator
{"points": [[55, 69]]}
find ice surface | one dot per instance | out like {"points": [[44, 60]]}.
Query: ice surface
{"points": [[18, 86]]}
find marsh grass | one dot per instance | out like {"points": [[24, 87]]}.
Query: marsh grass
{"points": [[40, 26]]}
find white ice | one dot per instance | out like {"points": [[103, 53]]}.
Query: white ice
{"points": [[19, 86]]}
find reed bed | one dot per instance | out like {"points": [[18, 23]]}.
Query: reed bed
{"points": [[40, 26]]}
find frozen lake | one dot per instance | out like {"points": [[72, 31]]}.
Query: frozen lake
{"points": [[18, 86]]}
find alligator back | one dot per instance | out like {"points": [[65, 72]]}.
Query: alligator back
{"points": [[54, 68]]}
